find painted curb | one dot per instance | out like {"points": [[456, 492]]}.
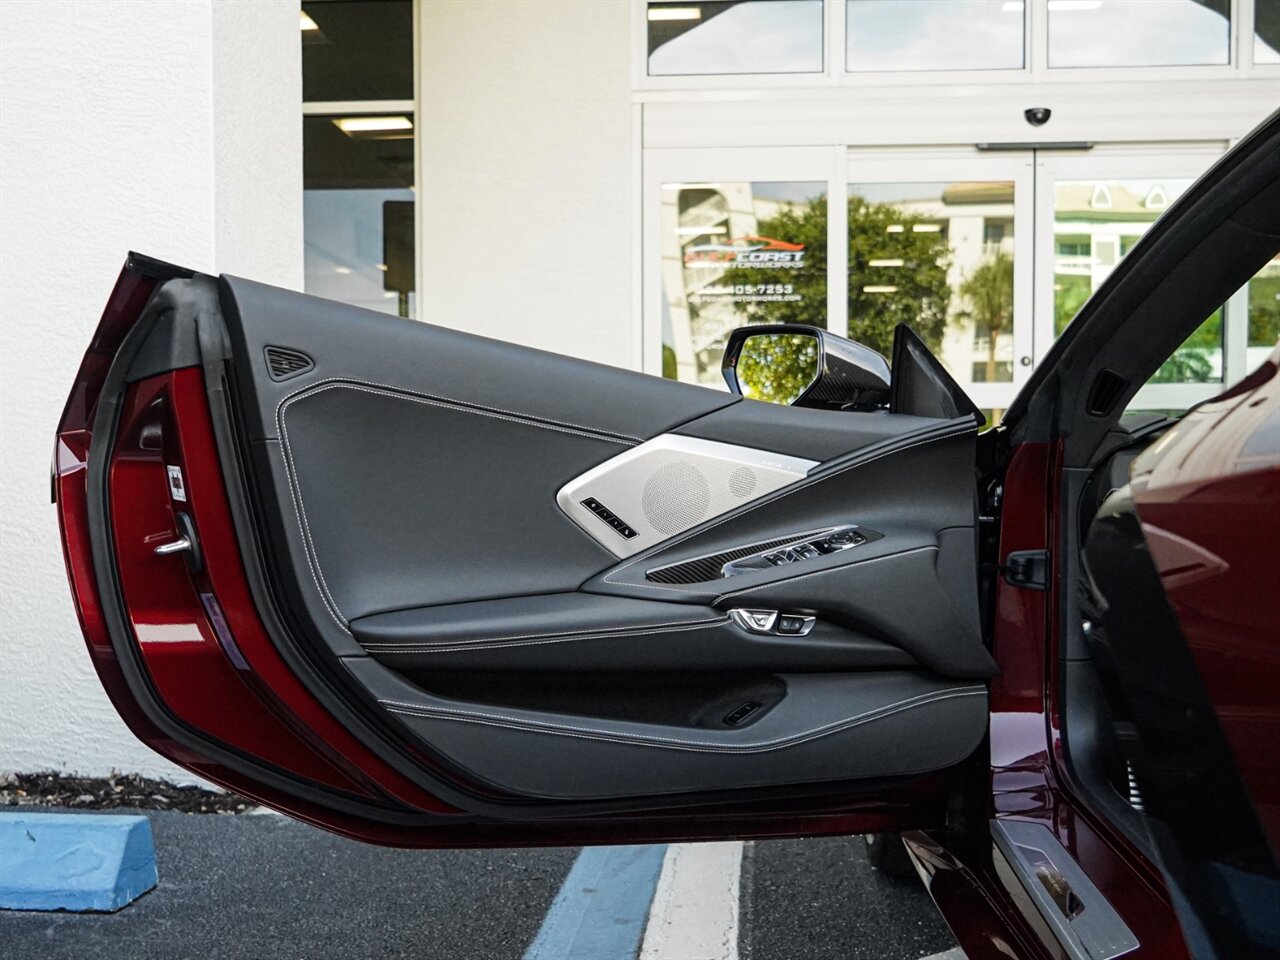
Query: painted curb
{"points": [[74, 861]]}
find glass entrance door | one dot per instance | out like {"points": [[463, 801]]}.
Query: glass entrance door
{"points": [[1092, 208], [986, 255], [944, 244], [733, 237]]}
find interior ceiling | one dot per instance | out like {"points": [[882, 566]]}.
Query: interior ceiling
{"points": [[363, 50], [334, 161]]}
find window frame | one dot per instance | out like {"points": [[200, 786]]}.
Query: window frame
{"points": [[1035, 68], [409, 105]]}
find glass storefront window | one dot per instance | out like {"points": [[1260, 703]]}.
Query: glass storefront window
{"points": [[358, 210], [357, 50], [735, 37], [939, 257], [737, 253], [1139, 33], [1266, 32], [933, 35], [1263, 304], [1095, 225]]}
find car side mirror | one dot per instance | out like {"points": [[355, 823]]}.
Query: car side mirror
{"points": [[802, 366]]}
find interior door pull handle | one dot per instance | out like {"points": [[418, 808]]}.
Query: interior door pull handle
{"points": [[176, 546]]}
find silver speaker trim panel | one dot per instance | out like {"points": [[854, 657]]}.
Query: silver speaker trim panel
{"points": [[670, 484]]}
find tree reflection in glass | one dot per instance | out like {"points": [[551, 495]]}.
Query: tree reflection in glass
{"points": [[777, 367]]}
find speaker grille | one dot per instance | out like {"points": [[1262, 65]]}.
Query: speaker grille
{"points": [[676, 497], [742, 482], [283, 363]]}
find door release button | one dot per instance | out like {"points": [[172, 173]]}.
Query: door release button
{"points": [[773, 623]]}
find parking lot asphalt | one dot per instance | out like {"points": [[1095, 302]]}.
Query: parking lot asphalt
{"points": [[258, 886]]}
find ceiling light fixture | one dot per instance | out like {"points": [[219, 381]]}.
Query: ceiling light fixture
{"points": [[700, 231], [884, 263], [926, 228], [1011, 6], [880, 288], [691, 186], [353, 126], [306, 22], [675, 13], [893, 228]]}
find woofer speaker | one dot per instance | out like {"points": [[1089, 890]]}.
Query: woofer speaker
{"points": [[676, 497]]}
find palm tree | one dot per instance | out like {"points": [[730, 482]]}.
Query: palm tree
{"points": [[988, 294]]}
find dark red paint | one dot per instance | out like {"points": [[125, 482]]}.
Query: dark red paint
{"points": [[985, 905], [1208, 497]]}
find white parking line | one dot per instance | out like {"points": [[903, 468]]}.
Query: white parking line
{"points": [[694, 915]]}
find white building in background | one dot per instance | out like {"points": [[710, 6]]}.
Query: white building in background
{"points": [[500, 167]]}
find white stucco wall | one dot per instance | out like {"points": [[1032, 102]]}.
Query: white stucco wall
{"points": [[526, 184], [171, 129]]}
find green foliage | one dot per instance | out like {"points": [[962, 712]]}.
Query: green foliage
{"points": [[777, 367], [669, 365], [1264, 311], [1193, 361], [1070, 291], [987, 293], [922, 297]]}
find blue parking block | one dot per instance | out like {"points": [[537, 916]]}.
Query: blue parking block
{"points": [[74, 861]]}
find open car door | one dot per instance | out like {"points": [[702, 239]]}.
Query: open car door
{"points": [[425, 588]]}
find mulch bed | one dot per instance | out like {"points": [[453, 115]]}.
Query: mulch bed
{"points": [[107, 793]]}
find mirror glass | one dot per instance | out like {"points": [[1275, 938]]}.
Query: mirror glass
{"points": [[777, 367]]}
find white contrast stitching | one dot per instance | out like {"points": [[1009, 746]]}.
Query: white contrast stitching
{"points": [[441, 400], [785, 491], [492, 643], [675, 743], [818, 573], [363, 386]]}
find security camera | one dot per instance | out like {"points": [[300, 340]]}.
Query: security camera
{"points": [[1037, 116]]}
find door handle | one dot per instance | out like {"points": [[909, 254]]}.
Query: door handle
{"points": [[187, 543], [176, 546]]}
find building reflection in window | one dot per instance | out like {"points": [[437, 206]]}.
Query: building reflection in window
{"points": [[736, 253], [1095, 225], [938, 257]]}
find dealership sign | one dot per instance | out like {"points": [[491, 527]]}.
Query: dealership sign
{"points": [[750, 252]]}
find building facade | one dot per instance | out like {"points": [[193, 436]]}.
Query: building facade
{"points": [[620, 180]]}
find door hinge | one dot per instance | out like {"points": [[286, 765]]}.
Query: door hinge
{"points": [[1027, 568]]}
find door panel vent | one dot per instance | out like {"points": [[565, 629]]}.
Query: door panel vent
{"points": [[283, 364], [702, 569]]}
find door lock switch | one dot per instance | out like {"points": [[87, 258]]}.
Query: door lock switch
{"points": [[790, 625]]}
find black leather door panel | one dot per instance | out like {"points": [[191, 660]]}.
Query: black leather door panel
{"points": [[580, 632], [405, 501], [828, 727], [375, 349], [799, 431], [404, 482], [912, 587]]}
